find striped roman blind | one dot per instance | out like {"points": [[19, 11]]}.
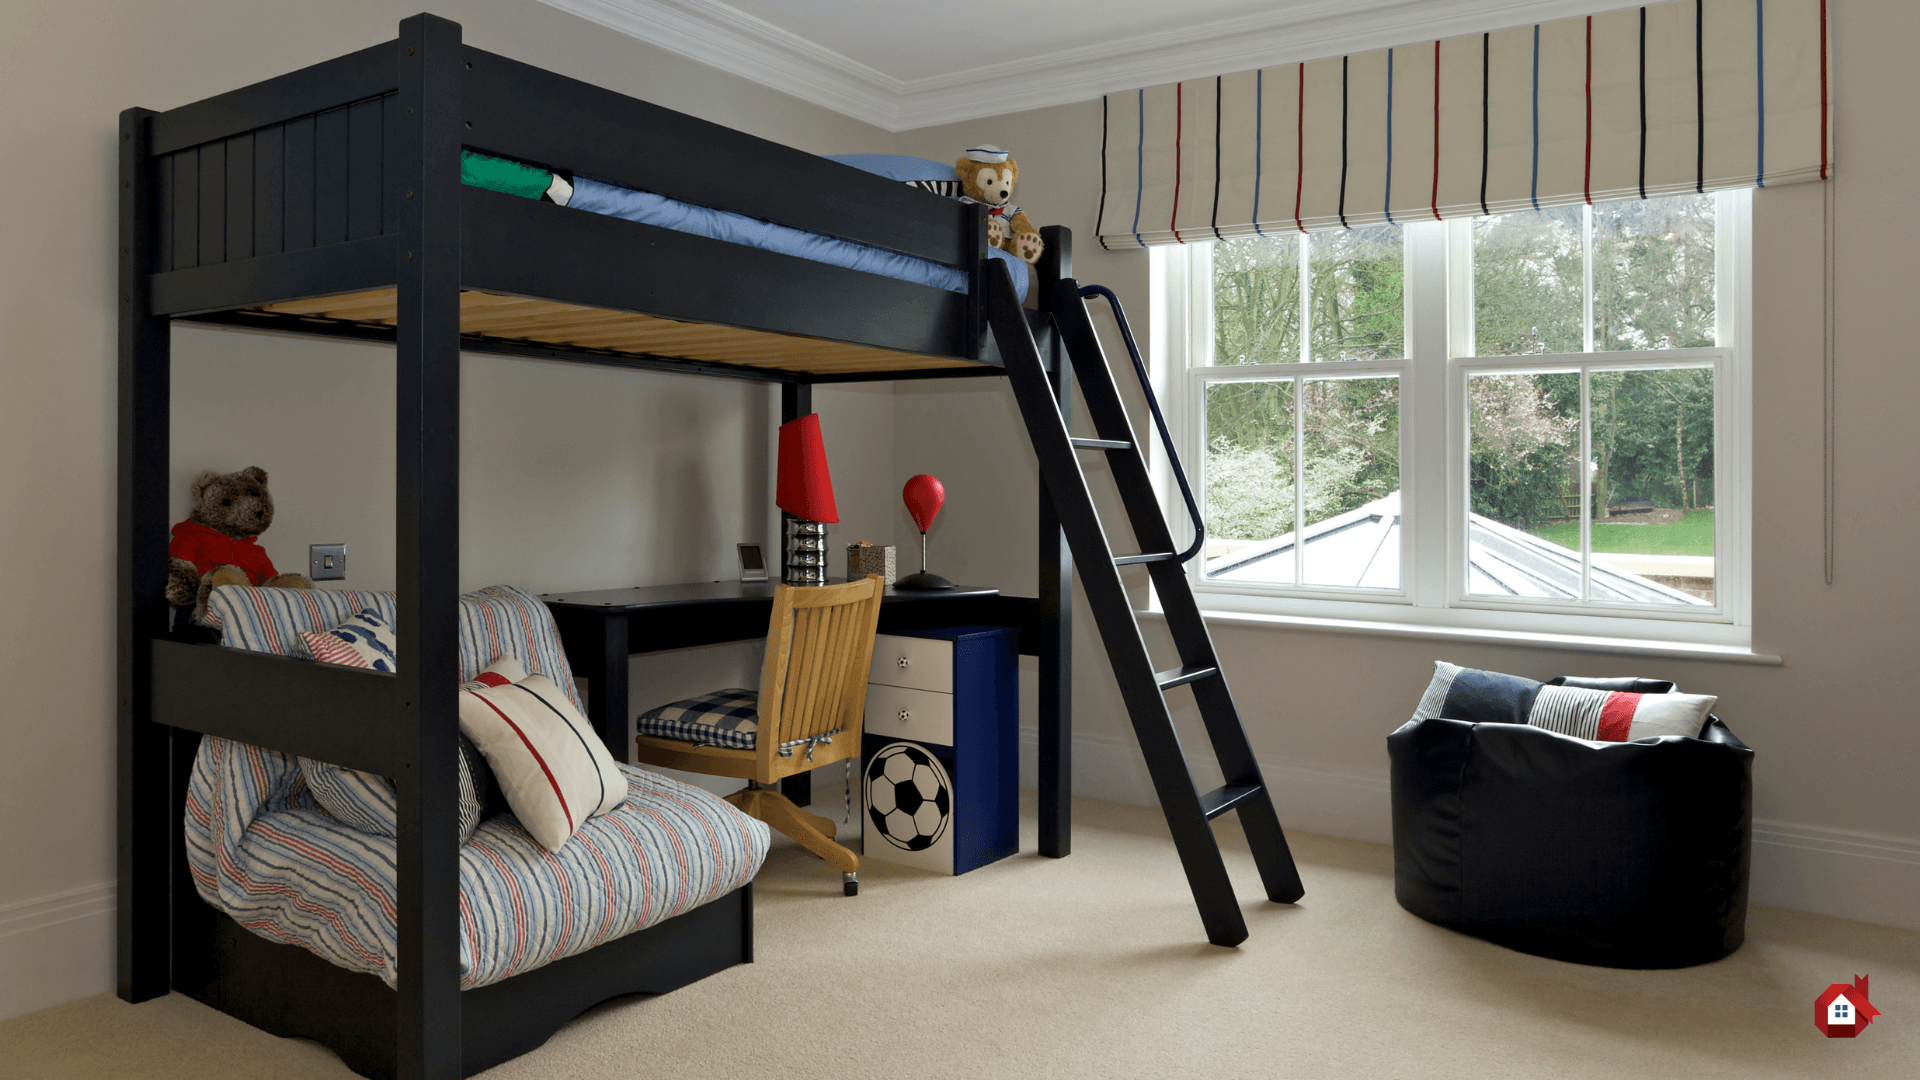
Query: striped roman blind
{"points": [[1695, 95]]}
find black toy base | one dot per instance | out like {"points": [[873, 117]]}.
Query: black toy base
{"points": [[923, 580]]}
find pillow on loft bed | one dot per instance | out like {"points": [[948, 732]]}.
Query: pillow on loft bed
{"points": [[923, 173], [498, 623]]}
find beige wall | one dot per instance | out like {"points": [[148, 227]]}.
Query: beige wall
{"points": [[574, 476], [1837, 816]]}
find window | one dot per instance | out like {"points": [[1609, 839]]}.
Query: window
{"points": [[1533, 421]]}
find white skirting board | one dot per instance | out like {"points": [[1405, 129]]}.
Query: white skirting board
{"points": [[1825, 871], [56, 948]]}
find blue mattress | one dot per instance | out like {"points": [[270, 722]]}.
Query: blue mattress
{"points": [[659, 211]]}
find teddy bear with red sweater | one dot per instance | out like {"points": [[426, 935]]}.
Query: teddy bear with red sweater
{"points": [[218, 544]]}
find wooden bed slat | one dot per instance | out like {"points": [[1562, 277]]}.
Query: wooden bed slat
{"points": [[556, 325]]}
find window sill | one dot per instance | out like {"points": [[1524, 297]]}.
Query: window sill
{"points": [[1676, 650]]}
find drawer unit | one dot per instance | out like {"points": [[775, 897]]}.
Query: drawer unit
{"points": [[897, 712], [941, 772], [916, 663]]}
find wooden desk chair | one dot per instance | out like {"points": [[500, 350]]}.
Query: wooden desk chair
{"points": [[819, 651]]}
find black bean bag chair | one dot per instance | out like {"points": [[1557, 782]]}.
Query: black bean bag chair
{"points": [[1629, 855]]}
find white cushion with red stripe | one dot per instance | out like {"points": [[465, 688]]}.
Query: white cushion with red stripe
{"points": [[550, 763], [1611, 716]]}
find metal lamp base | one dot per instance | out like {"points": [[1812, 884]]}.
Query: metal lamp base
{"points": [[923, 580], [806, 552]]}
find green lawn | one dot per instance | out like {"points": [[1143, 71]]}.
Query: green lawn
{"points": [[1694, 536]]}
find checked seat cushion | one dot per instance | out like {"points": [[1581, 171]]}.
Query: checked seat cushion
{"points": [[729, 718]]}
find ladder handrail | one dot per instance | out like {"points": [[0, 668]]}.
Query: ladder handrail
{"points": [[1159, 421]]}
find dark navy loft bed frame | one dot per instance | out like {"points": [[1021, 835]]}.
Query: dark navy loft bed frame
{"points": [[221, 211]]}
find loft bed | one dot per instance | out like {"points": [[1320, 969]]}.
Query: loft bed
{"points": [[329, 203]]}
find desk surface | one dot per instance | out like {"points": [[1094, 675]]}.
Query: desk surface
{"points": [[707, 593]]}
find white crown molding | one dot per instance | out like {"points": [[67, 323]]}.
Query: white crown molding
{"points": [[723, 37]]}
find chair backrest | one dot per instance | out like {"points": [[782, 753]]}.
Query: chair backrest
{"points": [[819, 652]]}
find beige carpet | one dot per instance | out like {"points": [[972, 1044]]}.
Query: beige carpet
{"points": [[1094, 966]]}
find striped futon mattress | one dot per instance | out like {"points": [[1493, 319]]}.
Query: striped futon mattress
{"points": [[261, 850]]}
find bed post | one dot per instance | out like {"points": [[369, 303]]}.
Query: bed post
{"points": [[427, 551], [1056, 596], [147, 825]]}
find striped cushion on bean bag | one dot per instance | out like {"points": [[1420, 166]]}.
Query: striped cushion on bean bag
{"points": [[1606, 716]]}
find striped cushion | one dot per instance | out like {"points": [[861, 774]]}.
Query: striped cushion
{"points": [[497, 621], [364, 641], [729, 718], [259, 851], [368, 802], [502, 620], [271, 620], [1605, 716], [551, 764], [1477, 697]]}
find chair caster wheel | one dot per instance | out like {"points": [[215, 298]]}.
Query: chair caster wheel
{"points": [[850, 884]]}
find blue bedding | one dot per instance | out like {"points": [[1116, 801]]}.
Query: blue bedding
{"points": [[658, 210]]}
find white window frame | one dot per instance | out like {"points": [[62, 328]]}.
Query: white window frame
{"points": [[1433, 446]]}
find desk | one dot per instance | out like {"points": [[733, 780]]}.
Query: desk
{"points": [[601, 628]]}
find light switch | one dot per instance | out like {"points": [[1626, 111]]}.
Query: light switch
{"points": [[327, 562]]}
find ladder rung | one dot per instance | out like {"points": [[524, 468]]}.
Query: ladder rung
{"points": [[1181, 676], [1101, 444], [1135, 560], [1215, 803]]}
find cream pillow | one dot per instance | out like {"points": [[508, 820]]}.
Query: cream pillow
{"points": [[549, 762]]}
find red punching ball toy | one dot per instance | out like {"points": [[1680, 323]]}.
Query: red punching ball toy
{"points": [[924, 495]]}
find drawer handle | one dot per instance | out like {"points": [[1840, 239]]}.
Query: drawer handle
{"points": [[905, 716], [904, 662]]}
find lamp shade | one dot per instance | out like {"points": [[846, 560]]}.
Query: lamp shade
{"points": [[804, 488]]}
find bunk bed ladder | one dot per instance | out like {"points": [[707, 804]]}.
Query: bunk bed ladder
{"points": [[1188, 809]]}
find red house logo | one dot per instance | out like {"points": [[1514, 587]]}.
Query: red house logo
{"points": [[1842, 1010]]}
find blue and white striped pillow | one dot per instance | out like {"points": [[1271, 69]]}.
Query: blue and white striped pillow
{"points": [[364, 641]]}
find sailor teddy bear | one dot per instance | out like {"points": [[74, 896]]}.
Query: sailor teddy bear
{"points": [[218, 543], [986, 176]]}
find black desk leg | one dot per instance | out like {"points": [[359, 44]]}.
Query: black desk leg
{"points": [[799, 788], [606, 675]]}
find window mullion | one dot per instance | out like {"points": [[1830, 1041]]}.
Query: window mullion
{"points": [[1306, 300], [1426, 469], [1586, 278], [1299, 480], [1586, 483]]}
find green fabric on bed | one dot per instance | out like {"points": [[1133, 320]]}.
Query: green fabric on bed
{"points": [[499, 174]]}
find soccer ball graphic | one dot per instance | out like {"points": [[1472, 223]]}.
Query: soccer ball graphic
{"points": [[909, 797]]}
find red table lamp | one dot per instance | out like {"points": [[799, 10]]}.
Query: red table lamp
{"points": [[804, 489], [924, 495]]}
